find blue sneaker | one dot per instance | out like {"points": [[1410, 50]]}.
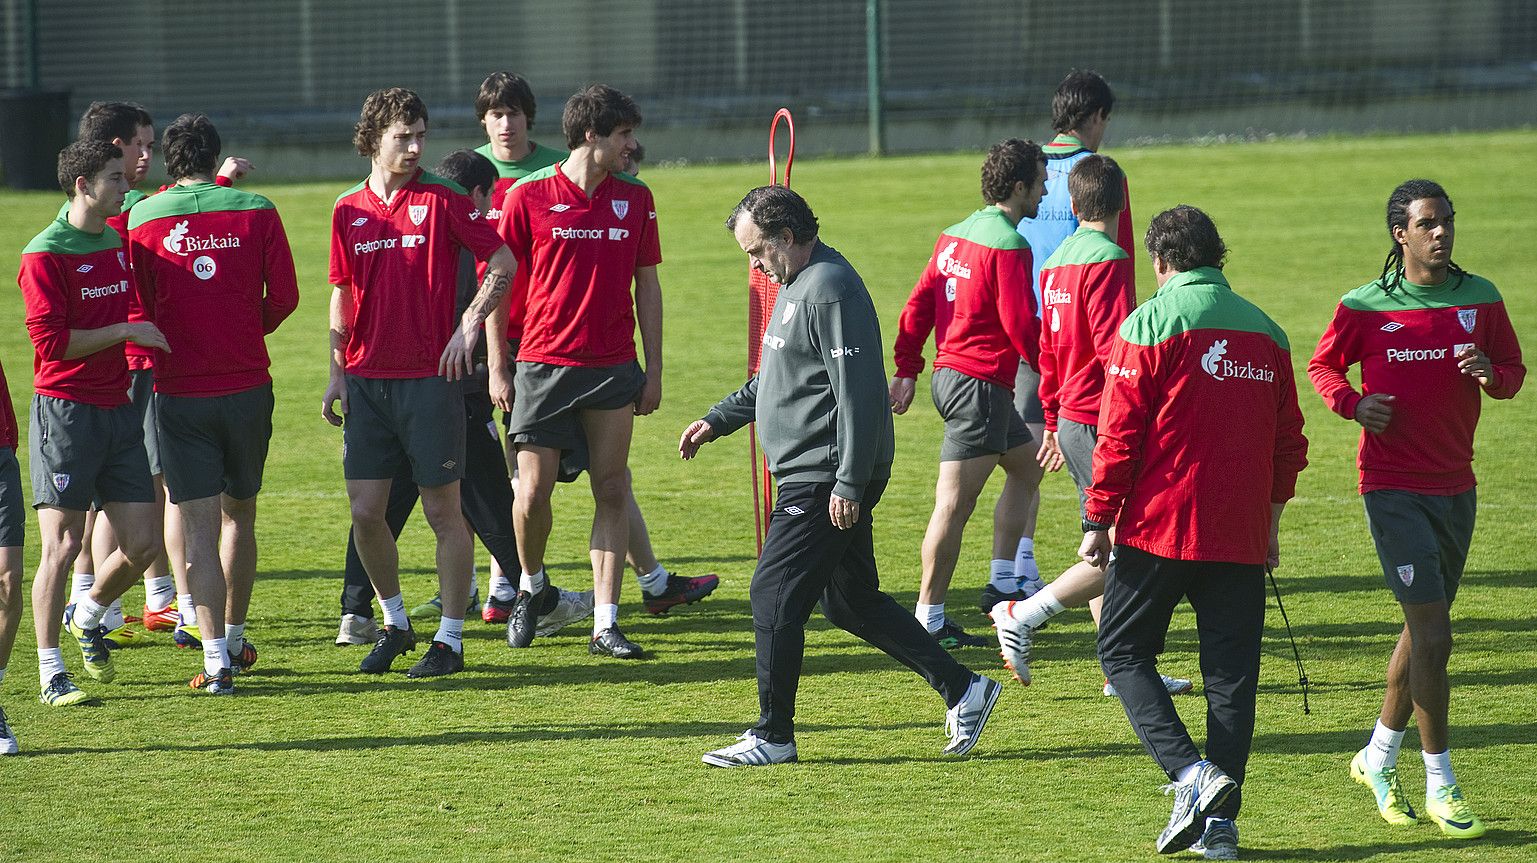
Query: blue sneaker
{"points": [[1219, 842], [1193, 801]]}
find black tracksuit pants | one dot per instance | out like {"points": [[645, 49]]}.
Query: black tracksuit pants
{"points": [[806, 559], [485, 495], [1141, 591]]}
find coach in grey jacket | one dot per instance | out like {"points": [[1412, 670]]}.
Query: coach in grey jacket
{"points": [[824, 420]]}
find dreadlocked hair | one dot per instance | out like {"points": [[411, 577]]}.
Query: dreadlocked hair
{"points": [[1407, 193]]}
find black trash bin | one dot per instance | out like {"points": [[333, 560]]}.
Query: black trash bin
{"points": [[34, 127]]}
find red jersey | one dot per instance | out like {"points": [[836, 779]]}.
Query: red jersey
{"points": [[581, 255], [72, 280], [1199, 432], [507, 175], [975, 296], [1087, 288], [215, 273], [8, 431], [1407, 343], [399, 263]]}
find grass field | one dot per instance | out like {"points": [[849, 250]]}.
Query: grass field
{"points": [[549, 754]]}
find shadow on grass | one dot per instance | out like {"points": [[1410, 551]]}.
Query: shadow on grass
{"points": [[1370, 579], [1416, 850]]}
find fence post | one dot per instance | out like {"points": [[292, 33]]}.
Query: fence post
{"points": [[874, 72]]}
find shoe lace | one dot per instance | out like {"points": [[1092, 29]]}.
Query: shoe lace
{"points": [[1452, 796], [60, 683]]}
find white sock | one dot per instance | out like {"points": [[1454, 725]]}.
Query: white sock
{"points": [[533, 583], [186, 610], [1186, 773], [502, 587], [1382, 752], [451, 633], [655, 581], [80, 585], [604, 615], [89, 613], [1002, 577], [159, 592], [1025, 570], [114, 616], [1438, 771], [931, 616], [234, 634], [1039, 608], [50, 661], [215, 656], [395, 611]]}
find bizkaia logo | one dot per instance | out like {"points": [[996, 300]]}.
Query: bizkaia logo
{"points": [[1220, 368], [178, 243], [949, 266], [105, 290]]}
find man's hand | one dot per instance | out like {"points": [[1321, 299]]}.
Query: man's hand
{"points": [[1095, 548], [843, 512], [650, 395], [695, 436], [1472, 361], [901, 394], [458, 359], [500, 387], [1374, 412], [336, 391], [1273, 556], [235, 168], [145, 334], [1049, 456]]}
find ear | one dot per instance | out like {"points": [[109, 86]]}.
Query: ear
{"points": [[1398, 233], [119, 143], [82, 185]]}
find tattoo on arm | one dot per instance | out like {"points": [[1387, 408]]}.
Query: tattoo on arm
{"points": [[492, 289]]}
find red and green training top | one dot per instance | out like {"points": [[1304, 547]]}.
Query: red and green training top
{"points": [[975, 297], [216, 276], [1199, 431], [72, 280], [399, 262], [507, 175], [1406, 342], [1087, 288]]}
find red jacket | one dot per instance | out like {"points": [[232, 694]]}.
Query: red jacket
{"points": [[1087, 288]]}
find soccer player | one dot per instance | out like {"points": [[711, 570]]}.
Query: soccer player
{"points": [[1088, 293], [1196, 509], [13, 529], [395, 243], [824, 418], [86, 439], [1429, 337], [215, 273], [584, 231], [975, 297]]}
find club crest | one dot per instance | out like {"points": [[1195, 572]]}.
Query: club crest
{"points": [[122, 261], [621, 208], [1467, 317], [418, 213], [61, 481], [1406, 574], [789, 313]]}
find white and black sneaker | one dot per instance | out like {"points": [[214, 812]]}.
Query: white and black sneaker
{"points": [[7, 736], [1219, 841], [356, 629], [570, 606], [1013, 642], [1193, 801], [964, 722], [611, 642], [750, 750]]}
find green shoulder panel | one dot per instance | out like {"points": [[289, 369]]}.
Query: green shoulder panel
{"points": [[988, 227], [1062, 145], [631, 179], [544, 173], [352, 191], [1197, 300], [540, 157], [1085, 246], [62, 238], [200, 198], [427, 178], [1471, 290]]}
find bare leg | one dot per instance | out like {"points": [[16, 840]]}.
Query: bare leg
{"points": [[1430, 646], [1019, 503], [608, 440], [237, 555], [641, 556], [138, 527], [205, 571], [371, 534], [175, 548], [61, 537], [531, 514], [955, 497], [455, 551], [10, 600]]}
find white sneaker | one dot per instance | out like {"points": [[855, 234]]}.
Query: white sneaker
{"points": [[1175, 686], [1013, 642], [7, 737], [964, 722], [572, 606], [356, 629], [751, 751]]}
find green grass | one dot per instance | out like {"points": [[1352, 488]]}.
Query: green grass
{"points": [[549, 754]]}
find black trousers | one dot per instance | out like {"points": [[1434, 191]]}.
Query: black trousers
{"points": [[485, 495], [1141, 591], [806, 559]]}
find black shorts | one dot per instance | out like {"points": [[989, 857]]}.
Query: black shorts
{"points": [[1027, 394], [215, 444], [142, 392], [1077, 443], [13, 513], [82, 453], [979, 416], [546, 410], [1422, 541], [392, 422]]}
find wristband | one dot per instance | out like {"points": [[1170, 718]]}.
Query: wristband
{"points": [[1092, 526]]}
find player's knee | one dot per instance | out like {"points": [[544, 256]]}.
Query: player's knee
{"points": [[442, 510], [10, 591], [611, 491], [60, 551], [140, 549]]}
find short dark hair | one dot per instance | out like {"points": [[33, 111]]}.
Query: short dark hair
{"points": [[1008, 162], [1185, 238], [505, 90], [380, 109], [1081, 95], [109, 121], [1097, 187], [191, 146], [469, 169], [774, 208], [599, 109], [85, 158], [1407, 193]]}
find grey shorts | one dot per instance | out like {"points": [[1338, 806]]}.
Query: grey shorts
{"points": [[82, 453], [13, 513], [979, 416], [215, 444], [1027, 394], [1422, 541], [392, 422], [1077, 442], [547, 408], [142, 391]]}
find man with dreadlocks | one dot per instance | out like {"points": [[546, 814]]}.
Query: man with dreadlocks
{"points": [[1428, 336]]}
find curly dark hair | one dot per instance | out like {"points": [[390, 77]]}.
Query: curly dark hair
{"points": [[380, 109], [84, 158], [1008, 162], [1185, 238], [1407, 193], [773, 209]]}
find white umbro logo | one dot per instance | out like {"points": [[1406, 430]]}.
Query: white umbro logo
{"points": [[1391, 326], [359, 221], [84, 268], [794, 510], [560, 208], [449, 465]]}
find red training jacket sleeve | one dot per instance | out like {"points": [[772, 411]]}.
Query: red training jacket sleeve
{"points": [[1049, 385], [1337, 352], [282, 295], [1132, 394], [1109, 298], [1291, 447], [1504, 354], [42, 285], [916, 322], [1016, 303], [142, 258]]}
